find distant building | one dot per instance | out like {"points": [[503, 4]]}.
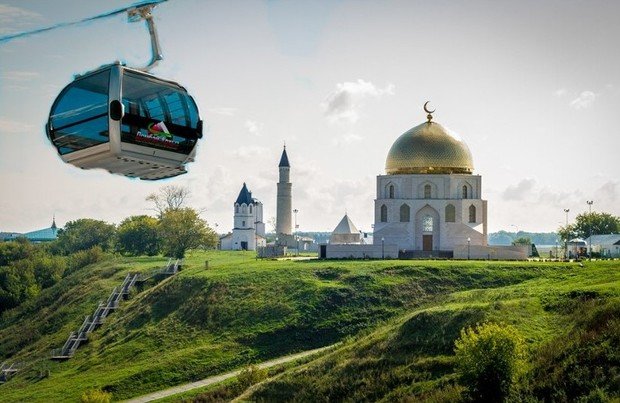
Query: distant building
{"points": [[249, 228], [37, 236], [345, 232], [605, 245]]}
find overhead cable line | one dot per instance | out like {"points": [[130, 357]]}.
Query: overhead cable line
{"points": [[10, 37]]}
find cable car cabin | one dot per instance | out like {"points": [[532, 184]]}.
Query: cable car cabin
{"points": [[126, 121]]}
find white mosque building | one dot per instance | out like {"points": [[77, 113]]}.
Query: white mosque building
{"points": [[429, 202], [249, 229]]}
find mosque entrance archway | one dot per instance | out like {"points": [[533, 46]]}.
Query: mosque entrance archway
{"points": [[427, 229], [244, 245]]}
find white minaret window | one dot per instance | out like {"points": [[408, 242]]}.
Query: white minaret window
{"points": [[405, 213], [450, 213], [427, 191], [472, 213]]}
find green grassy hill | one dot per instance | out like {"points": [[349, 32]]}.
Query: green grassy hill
{"points": [[205, 321], [569, 316]]}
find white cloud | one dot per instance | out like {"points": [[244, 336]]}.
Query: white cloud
{"points": [[13, 126], [253, 127], [20, 75], [343, 104], [347, 138], [16, 18], [222, 111], [519, 191], [560, 92], [583, 101], [251, 151]]}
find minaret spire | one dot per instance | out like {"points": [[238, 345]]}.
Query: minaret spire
{"points": [[284, 207]]}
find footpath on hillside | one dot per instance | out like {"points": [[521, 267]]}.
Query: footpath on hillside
{"points": [[219, 378]]}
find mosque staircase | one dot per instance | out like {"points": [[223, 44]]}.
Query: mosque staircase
{"points": [[7, 371], [105, 308]]}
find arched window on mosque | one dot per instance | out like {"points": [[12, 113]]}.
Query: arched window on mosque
{"points": [[464, 191], [472, 213], [427, 224], [236, 208], [405, 213], [450, 213], [384, 213], [427, 191], [250, 209], [391, 191]]}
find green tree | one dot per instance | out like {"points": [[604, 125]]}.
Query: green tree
{"points": [[12, 251], [490, 359], [524, 240], [137, 235], [169, 197], [601, 224], [182, 229], [17, 284], [84, 234]]}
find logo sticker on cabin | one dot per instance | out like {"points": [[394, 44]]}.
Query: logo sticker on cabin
{"points": [[157, 134]]}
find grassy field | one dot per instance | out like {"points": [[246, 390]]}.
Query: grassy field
{"points": [[238, 311]]}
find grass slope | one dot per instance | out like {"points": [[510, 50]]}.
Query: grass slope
{"points": [[206, 321], [569, 316]]}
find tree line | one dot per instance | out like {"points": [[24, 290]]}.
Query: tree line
{"points": [[27, 268]]}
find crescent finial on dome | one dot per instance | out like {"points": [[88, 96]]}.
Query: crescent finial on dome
{"points": [[429, 116]]}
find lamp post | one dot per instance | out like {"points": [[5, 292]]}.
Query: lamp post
{"points": [[295, 232], [590, 202], [566, 210], [468, 246], [382, 248]]}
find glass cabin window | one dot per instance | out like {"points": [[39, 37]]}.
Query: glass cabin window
{"points": [[450, 213], [158, 114], [79, 118], [405, 213], [384, 213], [427, 191]]}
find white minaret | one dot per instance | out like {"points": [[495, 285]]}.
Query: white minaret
{"points": [[285, 198]]}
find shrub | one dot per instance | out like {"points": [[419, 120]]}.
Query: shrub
{"points": [[250, 376], [490, 359], [95, 396], [83, 258]]}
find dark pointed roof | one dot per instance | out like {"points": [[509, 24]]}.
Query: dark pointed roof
{"points": [[245, 196], [284, 159]]}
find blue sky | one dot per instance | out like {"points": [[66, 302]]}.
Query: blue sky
{"points": [[533, 87]]}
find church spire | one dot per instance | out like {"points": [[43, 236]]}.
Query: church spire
{"points": [[54, 221]]}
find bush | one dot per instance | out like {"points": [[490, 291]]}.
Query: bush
{"points": [[250, 376], [490, 360], [96, 396], [83, 258]]}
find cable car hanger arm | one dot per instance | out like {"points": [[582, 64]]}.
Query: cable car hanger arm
{"points": [[145, 12]]}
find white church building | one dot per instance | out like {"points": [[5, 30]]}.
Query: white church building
{"points": [[249, 229]]}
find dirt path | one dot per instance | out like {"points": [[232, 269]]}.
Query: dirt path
{"points": [[219, 378]]}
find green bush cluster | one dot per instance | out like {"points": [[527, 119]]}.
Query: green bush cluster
{"points": [[490, 359], [95, 396]]}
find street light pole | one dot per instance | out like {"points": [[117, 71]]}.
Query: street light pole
{"points": [[468, 246], [590, 202], [382, 248], [295, 232], [566, 210]]}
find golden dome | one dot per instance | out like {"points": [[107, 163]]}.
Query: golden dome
{"points": [[429, 148]]}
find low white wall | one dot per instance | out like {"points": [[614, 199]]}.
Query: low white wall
{"points": [[357, 251], [516, 252]]}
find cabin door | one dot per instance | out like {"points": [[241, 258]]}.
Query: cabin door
{"points": [[427, 243]]}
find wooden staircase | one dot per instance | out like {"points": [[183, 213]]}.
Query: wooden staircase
{"points": [[7, 371], [105, 308]]}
